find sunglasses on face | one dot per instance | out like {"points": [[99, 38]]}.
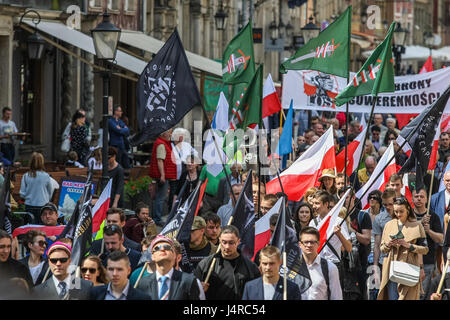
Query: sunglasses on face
{"points": [[42, 243], [166, 247], [111, 227], [55, 260], [91, 270], [374, 198]]}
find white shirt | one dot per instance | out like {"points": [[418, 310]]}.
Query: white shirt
{"points": [[7, 128], [56, 282], [334, 241], [318, 289], [168, 275], [36, 270], [447, 198]]}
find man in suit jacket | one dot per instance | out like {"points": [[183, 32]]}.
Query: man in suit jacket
{"points": [[439, 201], [271, 285], [60, 286], [118, 269], [166, 283]]}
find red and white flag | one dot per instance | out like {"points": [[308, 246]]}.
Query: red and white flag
{"points": [[262, 227], [307, 169], [271, 102], [355, 148], [327, 224], [428, 66], [363, 124], [382, 180], [405, 191], [100, 208], [49, 231]]}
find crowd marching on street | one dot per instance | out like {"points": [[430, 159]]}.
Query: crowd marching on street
{"points": [[337, 206]]}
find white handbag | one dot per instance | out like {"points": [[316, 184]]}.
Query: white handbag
{"points": [[65, 145], [404, 273]]}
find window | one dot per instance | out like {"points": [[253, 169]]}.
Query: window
{"points": [[130, 5], [95, 3], [113, 5]]}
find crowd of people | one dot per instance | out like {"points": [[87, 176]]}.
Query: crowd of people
{"points": [[133, 261]]}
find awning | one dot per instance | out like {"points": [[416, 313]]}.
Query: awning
{"points": [[85, 42], [144, 42], [418, 53]]}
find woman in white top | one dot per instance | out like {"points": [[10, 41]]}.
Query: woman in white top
{"points": [[36, 245]]}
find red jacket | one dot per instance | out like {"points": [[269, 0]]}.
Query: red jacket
{"points": [[170, 168]]}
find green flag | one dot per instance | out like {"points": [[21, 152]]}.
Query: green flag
{"points": [[249, 110], [211, 92], [375, 76], [238, 63], [328, 53]]}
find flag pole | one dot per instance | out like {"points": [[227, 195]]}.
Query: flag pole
{"points": [[346, 106], [140, 274], [358, 200], [285, 274], [430, 192]]}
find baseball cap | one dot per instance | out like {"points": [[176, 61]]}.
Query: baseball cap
{"points": [[199, 223], [50, 206], [160, 238], [59, 245]]}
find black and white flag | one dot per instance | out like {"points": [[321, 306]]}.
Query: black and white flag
{"points": [[166, 91], [419, 134]]}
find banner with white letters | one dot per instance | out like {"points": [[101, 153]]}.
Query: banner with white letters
{"points": [[313, 90]]}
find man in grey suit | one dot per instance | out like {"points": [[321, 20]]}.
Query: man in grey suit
{"points": [[61, 286], [166, 283]]}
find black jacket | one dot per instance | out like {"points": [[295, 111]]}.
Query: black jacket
{"points": [[228, 277], [254, 290], [99, 293], [41, 276], [183, 286], [14, 269], [432, 288]]}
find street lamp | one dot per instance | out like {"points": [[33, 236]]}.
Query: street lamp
{"points": [[221, 18], [34, 41], [310, 31], [429, 39], [273, 28], [106, 38], [398, 48]]}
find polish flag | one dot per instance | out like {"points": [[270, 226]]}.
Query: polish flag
{"points": [[271, 102], [307, 169], [363, 124], [434, 149], [49, 231], [383, 179], [327, 224], [262, 227], [405, 190], [100, 208], [355, 148], [428, 66]]}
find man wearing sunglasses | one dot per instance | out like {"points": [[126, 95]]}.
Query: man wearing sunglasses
{"points": [[60, 286], [167, 283]]}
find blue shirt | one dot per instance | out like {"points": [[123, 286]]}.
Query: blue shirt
{"points": [[116, 134], [36, 191]]}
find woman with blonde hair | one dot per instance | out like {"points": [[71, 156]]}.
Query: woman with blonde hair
{"points": [[93, 270], [404, 240], [309, 195], [36, 187]]}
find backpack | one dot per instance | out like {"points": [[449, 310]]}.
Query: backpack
{"points": [[324, 267]]}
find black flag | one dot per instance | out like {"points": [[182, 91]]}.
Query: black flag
{"points": [[179, 227], [285, 239], [419, 134], [166, 91], [244, 218]]}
